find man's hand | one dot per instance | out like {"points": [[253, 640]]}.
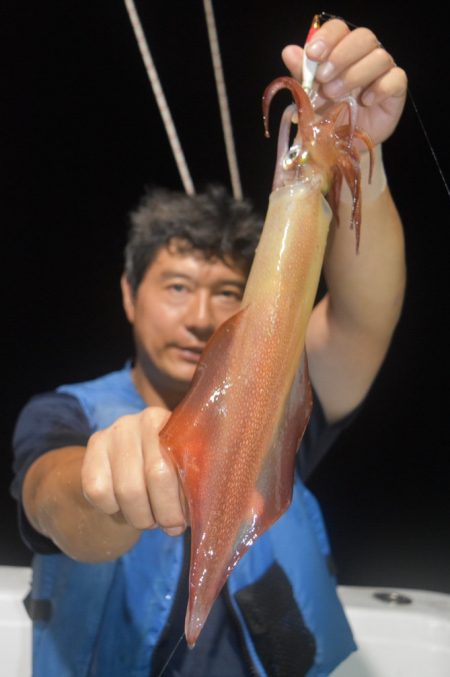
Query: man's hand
{"points": [[126, 473], [354, 62]]}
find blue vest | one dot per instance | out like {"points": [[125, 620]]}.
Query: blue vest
{"points": [[107, 618]]}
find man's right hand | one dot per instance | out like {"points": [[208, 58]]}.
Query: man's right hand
{"points": [[126, 473], [94, 502]]}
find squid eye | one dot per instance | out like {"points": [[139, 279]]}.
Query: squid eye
{"points": [[295, 156]]}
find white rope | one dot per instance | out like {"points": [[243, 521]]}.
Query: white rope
{"points": [[223, 100], [160, 98]]}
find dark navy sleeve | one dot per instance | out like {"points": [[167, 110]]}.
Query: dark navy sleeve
{"points": [[319, 437], [49, 421]]}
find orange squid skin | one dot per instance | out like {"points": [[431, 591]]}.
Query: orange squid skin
{"points": [[234, 436]]}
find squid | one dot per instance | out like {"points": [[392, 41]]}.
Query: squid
{"points": [[234, 436]]}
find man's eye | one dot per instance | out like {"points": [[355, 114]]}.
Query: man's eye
{"points": [[178, 287], [231, 294]]}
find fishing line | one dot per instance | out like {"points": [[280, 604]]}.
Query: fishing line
{"points": [[427, 138], [171, 655], [325, 16]]}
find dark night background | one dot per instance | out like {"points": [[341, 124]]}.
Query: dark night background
{"points": [[81, 137]]}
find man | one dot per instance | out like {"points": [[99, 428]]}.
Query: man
{"points": [[100, 500]]}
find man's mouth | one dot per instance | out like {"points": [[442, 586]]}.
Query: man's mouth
{"points": [[190, 353]]}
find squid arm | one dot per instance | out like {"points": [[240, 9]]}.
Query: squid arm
{"points": [[234, 436]]}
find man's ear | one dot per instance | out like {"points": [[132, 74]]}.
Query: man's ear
{"points": [[127, 298]]}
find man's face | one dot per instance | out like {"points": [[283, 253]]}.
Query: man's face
{"points": [[182, 299]]}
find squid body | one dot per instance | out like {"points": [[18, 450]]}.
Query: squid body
{"points": [[234, 436]]}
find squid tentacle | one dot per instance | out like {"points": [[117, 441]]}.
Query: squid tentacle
{"points": [[325, 147], [302, 101], [343, 132], [283, 145], [352, 175]]}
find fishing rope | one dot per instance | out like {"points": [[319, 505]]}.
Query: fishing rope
{"points": [[160, 98], [223, 100]]}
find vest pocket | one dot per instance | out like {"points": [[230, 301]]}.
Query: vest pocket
{"points": [[283, 642]]}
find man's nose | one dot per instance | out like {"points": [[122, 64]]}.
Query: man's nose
{"points": [[200, 315]]}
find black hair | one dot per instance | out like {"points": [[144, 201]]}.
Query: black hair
{"points": [[212, 222]]}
